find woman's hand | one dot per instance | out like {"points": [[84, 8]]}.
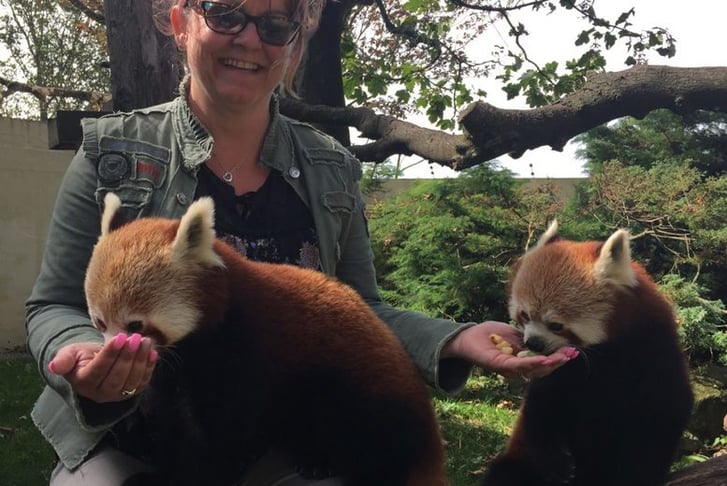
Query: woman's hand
{"points": [[113, 372], [474, 345]]}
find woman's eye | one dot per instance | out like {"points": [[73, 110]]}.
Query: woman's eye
{"points": [[135, 327], [555, 327]]}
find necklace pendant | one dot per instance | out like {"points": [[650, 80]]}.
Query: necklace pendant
{"points": [[227, 177]]}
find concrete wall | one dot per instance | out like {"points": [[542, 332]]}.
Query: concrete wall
{"points": [[30, 174]]}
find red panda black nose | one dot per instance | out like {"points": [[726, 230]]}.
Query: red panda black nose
{"points": [[535, 344]]}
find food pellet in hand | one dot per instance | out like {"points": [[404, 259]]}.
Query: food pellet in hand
{"points": [[501, 344]]}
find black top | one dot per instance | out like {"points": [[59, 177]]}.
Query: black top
{"points": [[271, 224]]}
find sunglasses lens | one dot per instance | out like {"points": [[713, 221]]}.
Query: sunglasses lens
{"points": [[223, 18], [276, 29]]}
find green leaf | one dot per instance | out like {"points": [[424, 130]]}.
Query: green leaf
{"points": [[624, 17], [584, 37]]}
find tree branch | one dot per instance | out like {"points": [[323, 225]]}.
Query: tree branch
{"points": [[490, 132], [391, 136], [606, 96], [42, 92], [88, 11]]}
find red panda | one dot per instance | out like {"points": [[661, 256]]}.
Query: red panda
{"points": [[257, 356], [615, 414]]}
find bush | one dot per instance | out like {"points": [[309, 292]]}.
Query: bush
{"points": [[701, 320]]}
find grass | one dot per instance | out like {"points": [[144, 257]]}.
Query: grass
{"points": [[475, 425], [25, 458]]}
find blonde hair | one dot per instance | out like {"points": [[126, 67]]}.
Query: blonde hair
{"points": [[307, 12]]}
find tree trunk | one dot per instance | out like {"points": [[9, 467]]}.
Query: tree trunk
{"points": [[709, 473], [145, 68], [319, 79]]}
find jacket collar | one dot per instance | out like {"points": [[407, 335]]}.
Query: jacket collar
{"points": [[196, 143]]}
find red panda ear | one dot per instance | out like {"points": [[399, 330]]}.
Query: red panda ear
{"points": [[111, 219], [194, 242], [550, 235], [614, 260]]}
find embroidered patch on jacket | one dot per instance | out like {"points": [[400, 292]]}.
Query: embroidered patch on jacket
{"points": [[150, 170], [112, 167]]}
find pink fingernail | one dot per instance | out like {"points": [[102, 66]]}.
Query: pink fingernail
{"points": [[134, 342], [119, 340], [52, 367], [153, 355]]}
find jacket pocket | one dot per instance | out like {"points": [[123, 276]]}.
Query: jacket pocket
{"points": [[134, 198], [338, 201]]}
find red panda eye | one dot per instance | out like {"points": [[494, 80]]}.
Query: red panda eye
{"points": [[100, 325], [135, 327], [524, 317], [555, 326]]}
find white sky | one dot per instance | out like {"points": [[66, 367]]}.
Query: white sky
{"points": [[701, 40]]}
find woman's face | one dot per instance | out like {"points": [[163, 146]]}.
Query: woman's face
{"points": [[231, 71]]}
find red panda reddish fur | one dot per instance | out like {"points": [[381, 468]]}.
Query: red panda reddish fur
{"points": [[277, 357], [615, 414]]}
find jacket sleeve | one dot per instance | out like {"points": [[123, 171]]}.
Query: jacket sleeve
{"points": [[423, 337], [56, 312]]}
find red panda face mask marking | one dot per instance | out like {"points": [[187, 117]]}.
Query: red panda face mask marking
{"points": [[563, 292], [148, 281]]}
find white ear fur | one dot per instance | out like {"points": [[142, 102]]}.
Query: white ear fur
{"points": [[196, 235], [549, 235], [614, 261], [112, 203]]}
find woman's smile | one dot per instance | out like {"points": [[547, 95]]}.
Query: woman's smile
{"points": [[246, 65]]}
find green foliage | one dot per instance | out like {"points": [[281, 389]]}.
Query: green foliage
{"points": [[663, 178], [658, 206], [445, 247], [702, 321], [413, 61], [544, 84], [547, 84], [660, 137], [50, 45], [417, 55]]}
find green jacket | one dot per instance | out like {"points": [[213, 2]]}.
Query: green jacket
{"points": [[150, 158]]}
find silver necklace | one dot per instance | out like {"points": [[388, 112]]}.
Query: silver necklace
{"points": [[228, 175]]}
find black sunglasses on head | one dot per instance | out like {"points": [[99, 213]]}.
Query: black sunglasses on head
{"points": [[273, 29]]}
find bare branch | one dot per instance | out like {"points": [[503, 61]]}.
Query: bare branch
{"points": [[406, 31], [490, 132], [391, 136], [88, 12], [42, 92], [606, 96], [500, 9]]}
